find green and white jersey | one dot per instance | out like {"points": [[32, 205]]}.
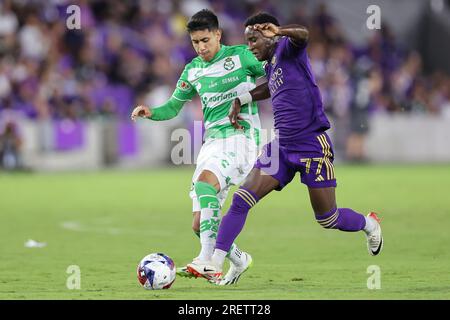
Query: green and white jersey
{"points": [[232, 72]]}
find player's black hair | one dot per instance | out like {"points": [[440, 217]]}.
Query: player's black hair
{"points": [[262, 17], [204, 19]]}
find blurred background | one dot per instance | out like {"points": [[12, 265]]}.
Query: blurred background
{"points": [[66, 95]]}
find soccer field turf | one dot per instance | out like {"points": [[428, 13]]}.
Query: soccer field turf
{"points": [[106, 222]]}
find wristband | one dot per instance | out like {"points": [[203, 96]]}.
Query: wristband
{"points": [[245, 98]]}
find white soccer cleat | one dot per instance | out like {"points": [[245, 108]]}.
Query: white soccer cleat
{"points": [[374, 238], [235, 272], [184, 272], [205, 269]]}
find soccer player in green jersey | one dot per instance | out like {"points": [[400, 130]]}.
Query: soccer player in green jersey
{"points": [[218, 75]]}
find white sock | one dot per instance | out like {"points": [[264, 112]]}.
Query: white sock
{"points": [[371, 225], [218, 258], [209, 226], [235, 255], [206, 251]]}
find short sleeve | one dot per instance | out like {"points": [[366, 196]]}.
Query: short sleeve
{"points": [[252, 64], [184, 90]]}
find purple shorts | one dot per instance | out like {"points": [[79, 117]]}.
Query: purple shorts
{"points": [[312, 157]]}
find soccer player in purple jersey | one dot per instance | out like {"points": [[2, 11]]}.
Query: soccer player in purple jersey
{"points": [[301, 144]]}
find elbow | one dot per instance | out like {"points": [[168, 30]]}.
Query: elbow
{"points": [[306, 35]]}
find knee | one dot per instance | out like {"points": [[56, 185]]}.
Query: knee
{"points": [[328, 220], [202, 188], [208, 178]]}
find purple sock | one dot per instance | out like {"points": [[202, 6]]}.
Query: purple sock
{"points": [[344, 219], [233, 222]]}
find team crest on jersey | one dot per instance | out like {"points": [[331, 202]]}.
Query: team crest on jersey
{"points": [[183, 86], [228, 64], [274, 60]]}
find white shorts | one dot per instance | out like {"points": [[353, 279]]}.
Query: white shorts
{"points": [[230, 159]]}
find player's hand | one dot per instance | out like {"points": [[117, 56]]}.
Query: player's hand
{"points": [[268, 30], [141, 111], [233, 115]]}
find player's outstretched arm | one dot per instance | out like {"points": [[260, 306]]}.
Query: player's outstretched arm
{"points": [[261, 92], [166, 111], [141, 111], [297, 33]]}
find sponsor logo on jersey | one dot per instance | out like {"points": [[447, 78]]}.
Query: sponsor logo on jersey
{"points": [[228, 64], [230, 79], [213, 84], [218, 98]]}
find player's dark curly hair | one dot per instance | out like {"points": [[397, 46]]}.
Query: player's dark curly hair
{"points": [[204, 19], [262, 17]]}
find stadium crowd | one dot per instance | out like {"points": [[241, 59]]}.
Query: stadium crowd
{"points": [[130, 52]]}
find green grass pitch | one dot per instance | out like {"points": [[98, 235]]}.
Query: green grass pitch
{"points": [[106, 222]]}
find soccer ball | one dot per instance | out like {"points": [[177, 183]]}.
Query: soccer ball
{"points": [[156, 271]]}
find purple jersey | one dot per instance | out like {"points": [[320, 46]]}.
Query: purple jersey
{"points": [[296, 101]]}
